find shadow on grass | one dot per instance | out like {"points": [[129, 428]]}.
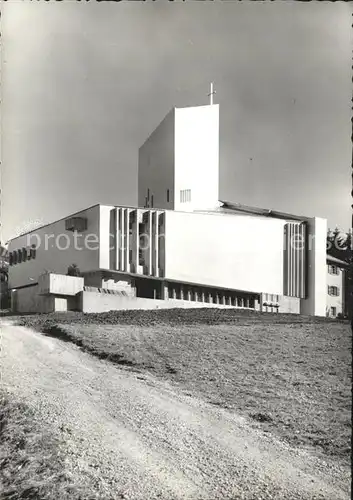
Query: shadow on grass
{"points": [[57, 332]]}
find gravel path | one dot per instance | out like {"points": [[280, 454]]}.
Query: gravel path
{"points": [[130, 436]]}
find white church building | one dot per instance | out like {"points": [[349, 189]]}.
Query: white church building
{"points": [[180, 247]]}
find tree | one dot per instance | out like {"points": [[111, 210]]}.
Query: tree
{"points": [[73, 270], [339, 244]]}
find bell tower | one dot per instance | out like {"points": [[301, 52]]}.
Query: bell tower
{"points": [[179, 163]]}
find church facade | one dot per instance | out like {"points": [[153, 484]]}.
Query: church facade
{"points": [[181, 245]]}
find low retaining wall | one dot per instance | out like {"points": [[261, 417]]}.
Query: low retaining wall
{"points": [[31, 300], [95, 302], [289, 305]]}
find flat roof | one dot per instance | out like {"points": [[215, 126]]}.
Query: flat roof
{"points": [[264, 212], [50, 223], [227, 208]]}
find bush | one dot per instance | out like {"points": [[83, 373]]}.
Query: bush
{"points": [[73, 270]]}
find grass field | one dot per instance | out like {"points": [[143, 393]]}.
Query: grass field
{"points": [[31, 466], [289, 375]]}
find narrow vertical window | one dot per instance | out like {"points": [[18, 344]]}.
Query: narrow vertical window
{"points": [[168, 195], [33, 252]]}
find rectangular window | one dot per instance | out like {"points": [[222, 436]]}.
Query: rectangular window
{"points": [[333, 311], [168, 195], [185, 195], [141, 259], [33, 252], [333, 269], [334, 291]]}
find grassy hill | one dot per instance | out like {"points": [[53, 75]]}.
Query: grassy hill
{"points": [[289, 375]]}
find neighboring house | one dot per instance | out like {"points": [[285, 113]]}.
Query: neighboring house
{"points": [[182, 243], [337, 273], [3, 289], [4, 264]]}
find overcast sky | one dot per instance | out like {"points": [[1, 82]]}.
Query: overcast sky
{"points": [[84, 84]]}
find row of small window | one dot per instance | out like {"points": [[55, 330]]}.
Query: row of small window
{"points": [[21, 255], [185, 195], [333, 290], [333, 269]]}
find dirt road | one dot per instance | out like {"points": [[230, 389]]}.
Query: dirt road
{"points": [[131, 436]]}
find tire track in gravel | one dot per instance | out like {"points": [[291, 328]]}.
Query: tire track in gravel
{"points": [[130, 436]]}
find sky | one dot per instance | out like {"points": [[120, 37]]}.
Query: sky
{"points": [[84, 85]]}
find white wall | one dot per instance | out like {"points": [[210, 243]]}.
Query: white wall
{"points": [[315, 304], [289, 305], [105, 239], [52, 254], [182, 153], [156, 165], [230, 251], [95, 302], [59, 284], [197, 156]]}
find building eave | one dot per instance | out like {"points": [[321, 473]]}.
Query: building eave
{"points": [[124, 274], [263, 212], [50, 223]]}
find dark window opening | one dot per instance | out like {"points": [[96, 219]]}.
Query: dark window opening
{"points": [[333, 269], [141, 259], [33, 252], [168, 195]]}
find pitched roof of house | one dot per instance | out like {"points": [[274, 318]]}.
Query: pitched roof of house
{"points": [[340, 262]]}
